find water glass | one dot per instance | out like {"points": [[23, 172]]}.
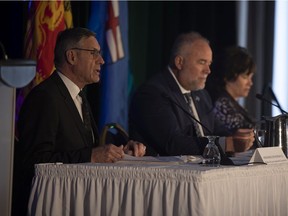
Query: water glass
{"points": [[211, 154]]}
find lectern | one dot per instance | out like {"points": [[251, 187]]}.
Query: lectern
{"points": [[13, 74]]}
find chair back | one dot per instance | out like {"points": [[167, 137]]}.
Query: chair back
{"points": [[115, 134]]}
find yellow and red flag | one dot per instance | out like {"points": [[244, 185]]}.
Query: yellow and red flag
{"points": [[46, 19]]}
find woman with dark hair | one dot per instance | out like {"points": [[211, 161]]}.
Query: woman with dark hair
{"points": [[237, 70]]}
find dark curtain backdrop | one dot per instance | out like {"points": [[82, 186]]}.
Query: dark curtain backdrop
{"points": [[12, 27], [260, 42], [154, 25]]}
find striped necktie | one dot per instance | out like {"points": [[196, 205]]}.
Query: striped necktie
{"points": [[86, 115], [188, 99]]}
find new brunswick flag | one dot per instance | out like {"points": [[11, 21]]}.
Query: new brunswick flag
{"points": [[46, 19]]}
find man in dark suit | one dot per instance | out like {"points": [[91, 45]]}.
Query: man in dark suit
{"points": [[160, 112], [55, 124]]}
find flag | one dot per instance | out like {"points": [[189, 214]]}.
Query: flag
{"points": [[109, 20], [46, 19]]}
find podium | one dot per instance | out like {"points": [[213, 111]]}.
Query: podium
{"points": [[13, 74]]}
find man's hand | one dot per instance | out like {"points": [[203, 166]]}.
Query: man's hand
{"points": [[107, 154], [135, 148]]}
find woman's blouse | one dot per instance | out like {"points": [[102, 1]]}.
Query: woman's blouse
{"points": [[230, 114]]}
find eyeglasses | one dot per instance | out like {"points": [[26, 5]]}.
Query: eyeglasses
{"points": [[93, 52]]}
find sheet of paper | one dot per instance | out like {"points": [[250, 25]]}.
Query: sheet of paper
{"points": [[242, 158], [161, 159]]}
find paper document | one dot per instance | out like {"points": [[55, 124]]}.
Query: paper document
{"points": [[242, 158], [160, 159]]}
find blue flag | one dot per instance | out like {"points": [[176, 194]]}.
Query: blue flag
{"points": [[110, 23]]}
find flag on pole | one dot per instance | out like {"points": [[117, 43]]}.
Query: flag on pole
{"points": [[109, 20], [46, 19]]}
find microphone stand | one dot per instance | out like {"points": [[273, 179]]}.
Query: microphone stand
{"points": [[260, 97], [224, 159], [186, 112], [276, 100]]}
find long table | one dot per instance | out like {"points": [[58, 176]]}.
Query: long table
{"points": [[159, 189]]}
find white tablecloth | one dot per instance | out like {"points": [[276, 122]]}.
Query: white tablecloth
{"points": [[145, 189]]}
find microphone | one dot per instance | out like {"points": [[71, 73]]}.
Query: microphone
{"points": [[186, 112], [260, 97], [224, 159]]}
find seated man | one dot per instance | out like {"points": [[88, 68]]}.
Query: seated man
{"points": [[55, 123], [163, 111]]}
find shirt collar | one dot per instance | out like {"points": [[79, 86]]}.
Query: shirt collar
{"points": [[72, 87], [183, 90]]}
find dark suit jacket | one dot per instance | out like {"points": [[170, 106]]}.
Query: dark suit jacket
{"points": [[50, 130], [157, 121]]}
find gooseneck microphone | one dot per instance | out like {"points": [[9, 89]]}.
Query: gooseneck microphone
{"points": [[185, 111], [260, 97], [224, 159]]}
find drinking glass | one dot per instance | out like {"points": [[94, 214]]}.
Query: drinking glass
{"points": [[211, 154], [260, 133]]}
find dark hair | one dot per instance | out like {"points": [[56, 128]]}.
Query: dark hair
{"points": [[182, 40], [237, 60], [68, 39]]}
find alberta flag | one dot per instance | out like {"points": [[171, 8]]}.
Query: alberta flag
{"points": [[110, 23]]}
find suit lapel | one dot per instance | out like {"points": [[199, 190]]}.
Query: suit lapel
{"points": [[175, 91], [72, 107], [196, 100]]}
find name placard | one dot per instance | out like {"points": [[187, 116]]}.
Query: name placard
{"points": [[268, 155]]}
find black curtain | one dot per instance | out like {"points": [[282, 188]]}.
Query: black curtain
{"points": [[13, 24], [260, 43], [153, 27]]}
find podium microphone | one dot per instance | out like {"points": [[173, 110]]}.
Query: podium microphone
{"points": [[260, 97], [186, 112], [224, 159]]}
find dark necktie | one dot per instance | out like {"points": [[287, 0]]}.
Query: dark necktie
{"points": [[188, 99], [86, 114]]}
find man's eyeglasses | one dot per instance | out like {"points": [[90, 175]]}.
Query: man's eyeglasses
{"points": [[93, 52]]}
